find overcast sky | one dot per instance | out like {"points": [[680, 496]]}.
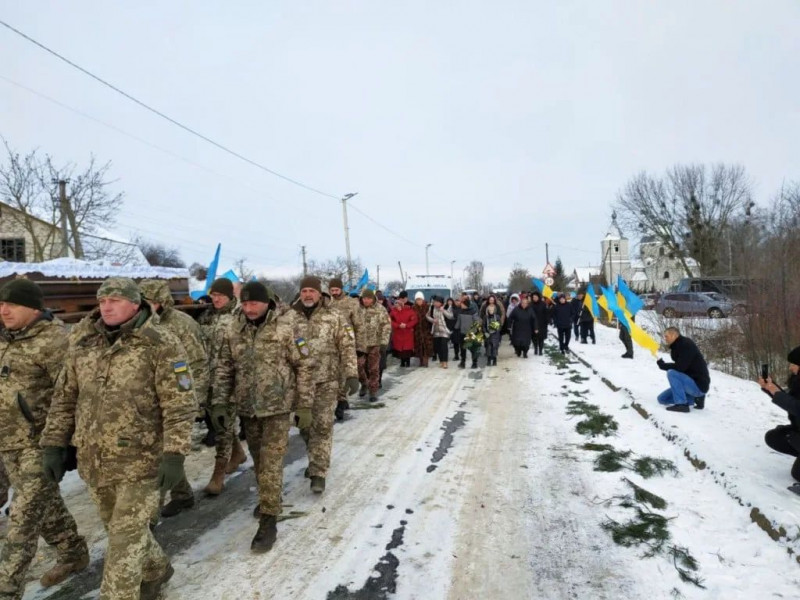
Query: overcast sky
{"points": [[484, 128]]}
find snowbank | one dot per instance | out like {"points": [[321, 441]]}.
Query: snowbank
{"points": [[72, 267]]}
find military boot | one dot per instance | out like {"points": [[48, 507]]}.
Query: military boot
{"points": [[217, 483], [237, 457], [363, 391], [266, 535], [176, 505], [63, 570], [151, 590], [341, 406], [317, 484]]}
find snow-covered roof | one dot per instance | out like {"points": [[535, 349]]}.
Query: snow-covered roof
{"points": [[72, 267], [639, 276], [637, 264], [584, 274]]}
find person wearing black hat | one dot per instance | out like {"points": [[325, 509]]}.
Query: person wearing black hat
{"points": [[259, 371], [32, 346], [349, 309], [331, 341], [786, 438], [213, 322]]}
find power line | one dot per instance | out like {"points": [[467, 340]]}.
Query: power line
{"points": [[167, 117]]}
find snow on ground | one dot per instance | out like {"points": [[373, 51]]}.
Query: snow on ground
{"points": [[728, 435], [474, 485]]}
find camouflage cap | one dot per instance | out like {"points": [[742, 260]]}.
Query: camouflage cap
{"points": [[122, 287], [156, 290]]}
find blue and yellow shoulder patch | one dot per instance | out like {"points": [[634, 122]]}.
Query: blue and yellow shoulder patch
{"points": [[182, 377], [302, 346]]}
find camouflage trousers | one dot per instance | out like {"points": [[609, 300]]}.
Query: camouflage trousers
{"points": [[225, 440], [133, 554], [3, 483], [38, 510], [268, 440], [369, 369], [319, 437]]}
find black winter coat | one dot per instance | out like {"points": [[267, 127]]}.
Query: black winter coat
{"points": [[523, 324], [790, 401], [542, 314], [562, 315], [576, 306], [689, 360]]}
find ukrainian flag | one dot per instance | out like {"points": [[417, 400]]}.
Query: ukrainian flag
{"points": [[543, 288]]}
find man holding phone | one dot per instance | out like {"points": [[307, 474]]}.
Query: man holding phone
{"points": [[688, 376], [786, 438]]}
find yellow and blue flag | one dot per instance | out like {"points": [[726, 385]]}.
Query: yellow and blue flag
{"points": [[590, 301], [616, 304], [633, 303], [545, 289]]}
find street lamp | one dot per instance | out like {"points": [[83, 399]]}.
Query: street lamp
{"points": [[427, 268], [345, 198], [452, 262]]}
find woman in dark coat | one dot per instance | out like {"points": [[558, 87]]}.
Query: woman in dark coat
{"points": [[542, 312], [523, 327], [423, 338], [562, 317], [404, 321]]}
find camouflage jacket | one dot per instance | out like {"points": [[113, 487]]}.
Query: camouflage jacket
{"points": [[123, 398], [213, 324], [331, 343], [350, 310], [30, 361], [377, 326], [261, 369], [188, 332]]}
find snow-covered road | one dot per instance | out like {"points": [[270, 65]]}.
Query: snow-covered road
{"points": [[467, 485]]}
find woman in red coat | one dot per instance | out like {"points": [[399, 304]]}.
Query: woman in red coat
{"points": [[404, 319]]}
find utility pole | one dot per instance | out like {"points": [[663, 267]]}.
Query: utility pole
{"points": [[427, 268], [345, 198], [62, 195], [452, 262], [379, 277], [547, 252], [403, 279], [305, 265]]}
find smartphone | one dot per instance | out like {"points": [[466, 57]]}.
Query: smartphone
{"points": [[764, 371]]}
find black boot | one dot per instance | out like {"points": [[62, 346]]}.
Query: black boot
{"points": [[266, 535], [363, 391], [796, 469], [176, 505], [682, 408], [151, 590], [341, 406], [524, 354], [462, 364], [700, 402], [474, 363]]}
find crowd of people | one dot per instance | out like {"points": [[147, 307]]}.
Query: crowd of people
{"points": [[118, 395]]}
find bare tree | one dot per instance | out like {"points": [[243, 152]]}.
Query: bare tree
{"points": [[243, 271], [337, 267], [520, 279], [394, 287], [159, 255], [285, 287], [688, 210], [474, 278], [198, 271], [29, 184]]}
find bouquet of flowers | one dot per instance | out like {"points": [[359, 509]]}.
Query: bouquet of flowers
{"points": [[494, 326], [474, 338]]}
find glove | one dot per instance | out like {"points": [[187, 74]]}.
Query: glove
{"points": [[302, 418], [661, 364], [220, 419], [352, 384], [54, 463], [359, 353], [170, 471]]}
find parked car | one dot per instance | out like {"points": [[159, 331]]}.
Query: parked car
{"points": [[680, 304], [650, 300]]}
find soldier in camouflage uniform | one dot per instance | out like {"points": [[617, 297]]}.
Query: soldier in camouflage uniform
{"points": [[350, 310], [3, 483], [125, 398], [186, 329], [214, 322], [375, 336], [260, 370], [331, 343], [32, 349]]}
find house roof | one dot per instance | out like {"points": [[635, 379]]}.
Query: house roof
{"points": [[72, 267], [584, 274]]}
